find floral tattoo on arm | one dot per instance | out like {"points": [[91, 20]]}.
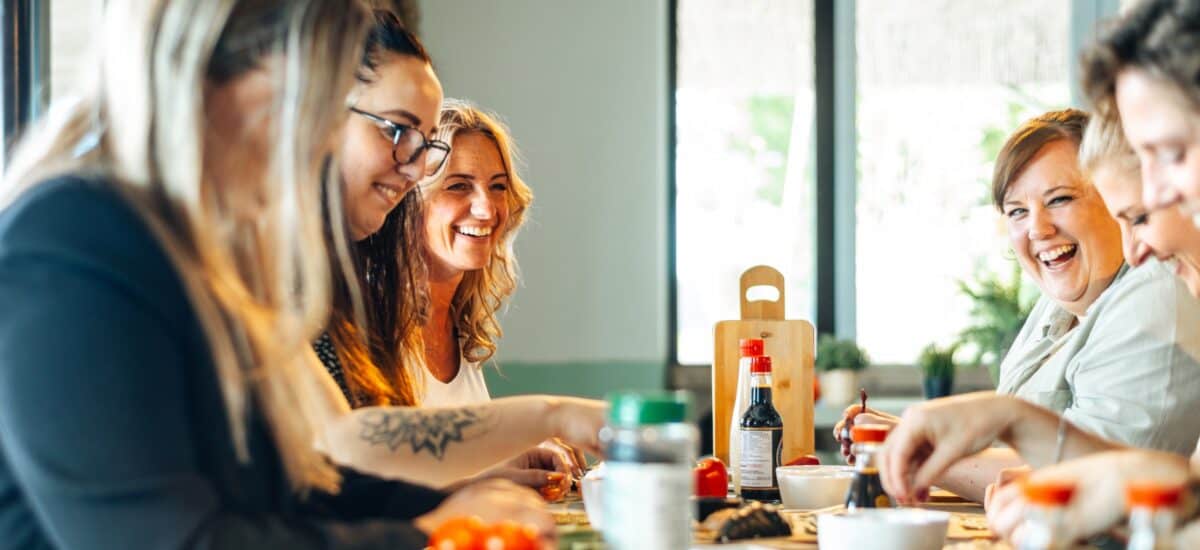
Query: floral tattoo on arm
{"points": [[417, 430]]}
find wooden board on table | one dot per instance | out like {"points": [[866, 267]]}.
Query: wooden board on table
{"points": [[790, 343]]}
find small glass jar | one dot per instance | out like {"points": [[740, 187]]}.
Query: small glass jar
{"points": [[1043, 527], [1152, 514], [648, 482]]}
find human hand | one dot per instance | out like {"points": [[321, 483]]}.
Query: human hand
{"points": [[1099, 500], [868, 416], [493, 501], [933, 435], [576, 422]]}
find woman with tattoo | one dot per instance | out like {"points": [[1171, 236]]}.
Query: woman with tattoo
{"points": [[162, 267], [373, 347]]}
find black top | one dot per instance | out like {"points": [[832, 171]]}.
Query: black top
{"points": [[113, 432], [327, 352]]}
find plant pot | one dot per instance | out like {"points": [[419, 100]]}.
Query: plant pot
{"points": [[839, 387], [938, 386]]}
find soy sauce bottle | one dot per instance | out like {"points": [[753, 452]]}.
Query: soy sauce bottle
{"points": [[866, 490], [761, 437]]}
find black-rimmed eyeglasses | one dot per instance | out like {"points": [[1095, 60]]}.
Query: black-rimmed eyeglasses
{"points": [[409, 143]]}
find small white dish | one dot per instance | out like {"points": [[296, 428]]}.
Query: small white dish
{"points": [[593, 504], [813, 487], [883, 529]]}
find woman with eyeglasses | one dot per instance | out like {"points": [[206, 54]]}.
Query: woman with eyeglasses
{"points": [[373, 347], [162, 269]]}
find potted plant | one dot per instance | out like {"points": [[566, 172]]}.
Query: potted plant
{"points": [[998, 310], [839, 362], [937, 367]]}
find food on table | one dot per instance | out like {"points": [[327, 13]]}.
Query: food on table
{"points": [[755, 520], [469, 533], [848, 424], [552, 492], [804, 460], [712, 479]]}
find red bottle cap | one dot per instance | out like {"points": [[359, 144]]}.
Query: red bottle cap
{"points": [[750, 347], [760, 364], [1049, 493], [869, 433], [1151, 494]]}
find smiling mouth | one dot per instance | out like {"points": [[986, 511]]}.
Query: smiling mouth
{"points": [[1057, 256], [477, 232], [388, 191]]}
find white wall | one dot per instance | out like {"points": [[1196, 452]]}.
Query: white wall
{"points": [[583, 85]]}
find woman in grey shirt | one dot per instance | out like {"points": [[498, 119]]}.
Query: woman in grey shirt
{"points": [[1107, 346]]}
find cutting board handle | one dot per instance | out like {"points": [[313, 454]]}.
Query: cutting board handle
{"points": [[762, 275]]}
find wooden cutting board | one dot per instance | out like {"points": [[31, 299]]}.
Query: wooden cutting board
{"points": [[791, 345]]}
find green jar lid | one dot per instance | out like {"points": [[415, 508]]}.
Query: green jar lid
{"points": [[639, 408]]}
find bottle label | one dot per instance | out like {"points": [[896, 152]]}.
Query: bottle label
{"points": [[647, 506], [761, 448]]}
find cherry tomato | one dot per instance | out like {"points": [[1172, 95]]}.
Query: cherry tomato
{"points": [[510, 535], [805, 460], [712, 479], [816, 389], [551, 492], [465, 533]]}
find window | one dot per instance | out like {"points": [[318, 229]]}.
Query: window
{"points": [[744, 173], [938, 86], [70, 36], [927, 134]]}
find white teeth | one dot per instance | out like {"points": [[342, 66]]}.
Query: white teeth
{"points": [[1054, 253], [388, 191], [474, 231]]}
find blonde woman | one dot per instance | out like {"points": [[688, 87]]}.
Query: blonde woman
{"points": [[158, 284], [372, 348], [472, 212]]}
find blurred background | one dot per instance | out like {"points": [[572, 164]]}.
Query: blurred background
{"points": [[673, 144]]}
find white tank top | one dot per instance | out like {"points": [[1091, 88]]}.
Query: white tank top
{"points": [[467, 388]]}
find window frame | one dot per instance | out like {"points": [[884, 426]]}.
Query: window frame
{"points": [[835, 86]]}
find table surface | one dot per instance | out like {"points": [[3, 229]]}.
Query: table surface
{"points": [[965, 512]]}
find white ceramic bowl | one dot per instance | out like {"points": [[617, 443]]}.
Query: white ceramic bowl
{"points": [[883, 529], [592, 491], [812, 487]]}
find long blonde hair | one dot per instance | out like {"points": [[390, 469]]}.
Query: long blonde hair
{"points": [[259, 284], [483, 292]]}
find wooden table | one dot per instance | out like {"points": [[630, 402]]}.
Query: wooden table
{"points": [[967, 531]]}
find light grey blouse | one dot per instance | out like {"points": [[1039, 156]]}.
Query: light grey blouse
{"points": [[1129, 370]]}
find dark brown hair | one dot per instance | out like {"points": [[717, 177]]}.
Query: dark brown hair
{"points": [[1161, 37], [1029, 139], [380, 347]]}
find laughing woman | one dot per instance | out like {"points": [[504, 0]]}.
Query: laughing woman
{"points": [[472, 212], [373, 350], [1111, 348]]}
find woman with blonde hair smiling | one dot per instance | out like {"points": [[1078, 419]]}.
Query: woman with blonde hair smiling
{"points": [[472, 212], [373, 347], [162, 269]]}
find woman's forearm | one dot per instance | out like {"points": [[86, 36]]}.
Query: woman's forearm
{"points": [[1033, 433], [969, 477], [439, 445]]}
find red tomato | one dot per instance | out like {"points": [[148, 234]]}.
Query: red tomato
{"points": [[458, 534], [816, 389], [712, 479], [551, 492], [805, 460], [510, 535]]}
